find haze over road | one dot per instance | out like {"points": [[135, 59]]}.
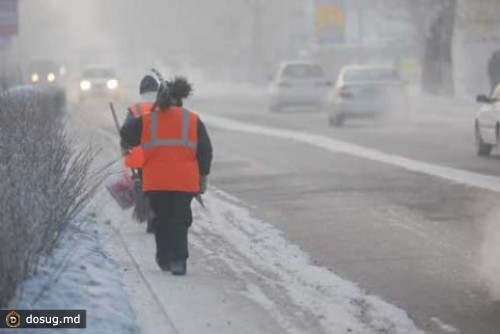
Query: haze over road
{"points": [[411, 238]]}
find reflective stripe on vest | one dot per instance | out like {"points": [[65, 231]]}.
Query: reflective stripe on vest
{"points": [[183, 141]]}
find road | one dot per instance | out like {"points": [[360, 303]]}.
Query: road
{"points": [[411, 238]]}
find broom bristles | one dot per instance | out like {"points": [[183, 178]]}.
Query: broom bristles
{"points": [[140, 213]]}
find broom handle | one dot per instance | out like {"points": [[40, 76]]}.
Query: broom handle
{"points": [[113, 112]]}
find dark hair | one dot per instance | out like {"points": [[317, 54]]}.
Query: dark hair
{"points": [[174, 92], [179, 88]]}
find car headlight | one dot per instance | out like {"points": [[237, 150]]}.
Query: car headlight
{"points": [[85, 85], [35, 77], [112, 84], [51, 77]]}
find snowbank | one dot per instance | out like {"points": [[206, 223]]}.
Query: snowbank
{"points": [[81, 275]]}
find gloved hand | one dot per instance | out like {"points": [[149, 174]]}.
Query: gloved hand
{"points": [[203, 184]]}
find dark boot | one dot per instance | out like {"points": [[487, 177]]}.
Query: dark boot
{"points": [[163, 266], [178, 267], [150, 228]]}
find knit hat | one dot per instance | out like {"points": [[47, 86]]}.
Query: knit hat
{"points": [[148, 85]]}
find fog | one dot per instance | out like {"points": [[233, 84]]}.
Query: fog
{"points": [[376, 178], [227, 39]]}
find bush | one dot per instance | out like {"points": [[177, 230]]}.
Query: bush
{"points": [[44, 181]]}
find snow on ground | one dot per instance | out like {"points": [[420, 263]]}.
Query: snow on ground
{"points": [[283, 280], [243, 277], [81, 275]]}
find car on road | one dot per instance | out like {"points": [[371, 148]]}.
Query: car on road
{"points": [[299, 83], [47, 73], [367, 91], [487, 123], [99, 81], [44, 72]]}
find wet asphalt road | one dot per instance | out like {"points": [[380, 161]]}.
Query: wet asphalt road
{"points": [[410, 238]]}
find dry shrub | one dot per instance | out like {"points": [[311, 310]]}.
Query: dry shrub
{"points": [[44, 181]]}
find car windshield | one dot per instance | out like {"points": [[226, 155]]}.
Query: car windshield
{"points": [[302, 71], [43, 66], [371, 74], [94, 73]]}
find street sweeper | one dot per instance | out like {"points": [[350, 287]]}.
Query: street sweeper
{"points": [[134, 157], [177, 159]]}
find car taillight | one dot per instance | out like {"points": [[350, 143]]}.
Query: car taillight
{"points": [[344, 92]]}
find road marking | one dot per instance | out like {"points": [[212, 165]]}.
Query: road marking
{"points": [[458, 176], [444, 327]]}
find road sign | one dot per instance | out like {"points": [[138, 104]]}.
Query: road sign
{"points": [[8, 17], [330, 22]]}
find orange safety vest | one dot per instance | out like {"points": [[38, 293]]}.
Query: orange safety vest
{"points": [[135, 159], [169, 139]]}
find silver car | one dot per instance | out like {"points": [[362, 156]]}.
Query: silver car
{"points": [[299, 83], [99, 81], [367, 91], [487, 123]]}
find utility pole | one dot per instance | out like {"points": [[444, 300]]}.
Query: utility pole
{"points": [[361, 32], [256, 44]]}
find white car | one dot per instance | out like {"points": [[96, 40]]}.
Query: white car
{"points": [[99, 81], [487, 123], [299, 83], [367, 91]]}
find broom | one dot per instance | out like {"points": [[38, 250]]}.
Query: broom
{"points": [[140, 213]]}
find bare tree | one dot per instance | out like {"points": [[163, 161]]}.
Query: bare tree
{"points": [[44, 181]]}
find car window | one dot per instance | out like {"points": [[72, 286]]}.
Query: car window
{"points": [[99, 73], [371, 74], [43, 66], [302, 71]]}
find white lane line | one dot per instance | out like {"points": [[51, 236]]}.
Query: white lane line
{"points": [[445, 327], [459, 176]]}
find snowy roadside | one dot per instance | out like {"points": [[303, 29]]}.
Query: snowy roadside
{"points": [[243, 277], [81, 275]]}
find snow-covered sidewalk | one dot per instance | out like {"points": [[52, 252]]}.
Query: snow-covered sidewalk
{"points": [[243, 277]]}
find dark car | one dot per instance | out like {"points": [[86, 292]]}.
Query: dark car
{"points": [[47, 73], [44, 71]]}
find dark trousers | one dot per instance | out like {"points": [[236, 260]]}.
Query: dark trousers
{"points": [[171, 221]]}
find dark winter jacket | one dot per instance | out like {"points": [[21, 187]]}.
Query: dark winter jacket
{"points": [[494, 69], [131, 133]]}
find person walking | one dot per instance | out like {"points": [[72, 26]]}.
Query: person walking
{"points": [[134, 158], [177, 160], [493, 69]]}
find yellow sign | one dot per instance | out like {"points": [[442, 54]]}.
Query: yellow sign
{"points": [[330, 21]]}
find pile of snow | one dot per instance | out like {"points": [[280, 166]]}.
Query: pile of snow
{"points": [[81, 275]]}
